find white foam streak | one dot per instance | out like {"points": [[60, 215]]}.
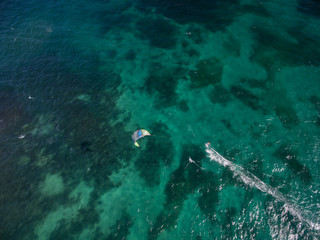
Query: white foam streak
{"points": [[254, 182]]}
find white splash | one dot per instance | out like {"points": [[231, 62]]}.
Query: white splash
{"points": [[254, 182], [191, 161]]}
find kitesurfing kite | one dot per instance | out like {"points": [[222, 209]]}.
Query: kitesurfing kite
{"points": [[139, 134]]}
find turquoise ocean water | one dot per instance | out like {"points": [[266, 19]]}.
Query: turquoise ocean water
{"points": [[77, 78]]}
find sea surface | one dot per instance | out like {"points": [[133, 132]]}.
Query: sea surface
{"points": [[78, 77]]}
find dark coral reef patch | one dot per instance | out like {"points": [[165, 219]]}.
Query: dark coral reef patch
{"points": [[289, 156], [162, 83], [287, 116], [205, 13], [208, 71], [246, 97], [309, 7], [184, 181], [159, 32], [160, 153]]}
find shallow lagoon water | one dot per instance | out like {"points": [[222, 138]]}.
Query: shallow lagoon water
{"points": [[77, 78]]}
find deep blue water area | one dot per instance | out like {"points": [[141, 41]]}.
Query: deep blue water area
{"points": [[77, 78]]}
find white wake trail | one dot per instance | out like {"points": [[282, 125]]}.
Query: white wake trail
{"points": [[254, 182]]}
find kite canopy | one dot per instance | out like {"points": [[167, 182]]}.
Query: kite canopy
{"points": [[139, 134]]}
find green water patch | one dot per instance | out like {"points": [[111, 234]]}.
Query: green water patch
{"points": [[195, 176], [113, 15], [28, 194], [44, 125], [287, 115], [220, 95], [105, 158], [85, 218], [164, 35], [255, 166], [176, 191], [289, 156], [253, 222], [307, 39], [229, 126], [229, 153], [294, 103], [196, 34], [280, 103], [183, 106], [130, 55], [262, 85], [162, 82], [77, 133], [188, 49], [159, 152], [259, 131], [81, 124], [227, 225], [208, 201], [256, 8], [86, 140], [14, 113], [207, 72], [279, 216], [20, 175], [246, 97], [52, 185], [214, 15], [278, 181], [229, 208], [69, 136], [121, 229], [273, 49], [65, 216], [232, 46], [192, 223], [316, 102], [62, 77], [133, 197], [17, 187], [309, 7], [229, 179], [183, 181]]}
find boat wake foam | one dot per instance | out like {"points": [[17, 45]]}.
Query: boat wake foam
{"points": [[254, 182]]}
